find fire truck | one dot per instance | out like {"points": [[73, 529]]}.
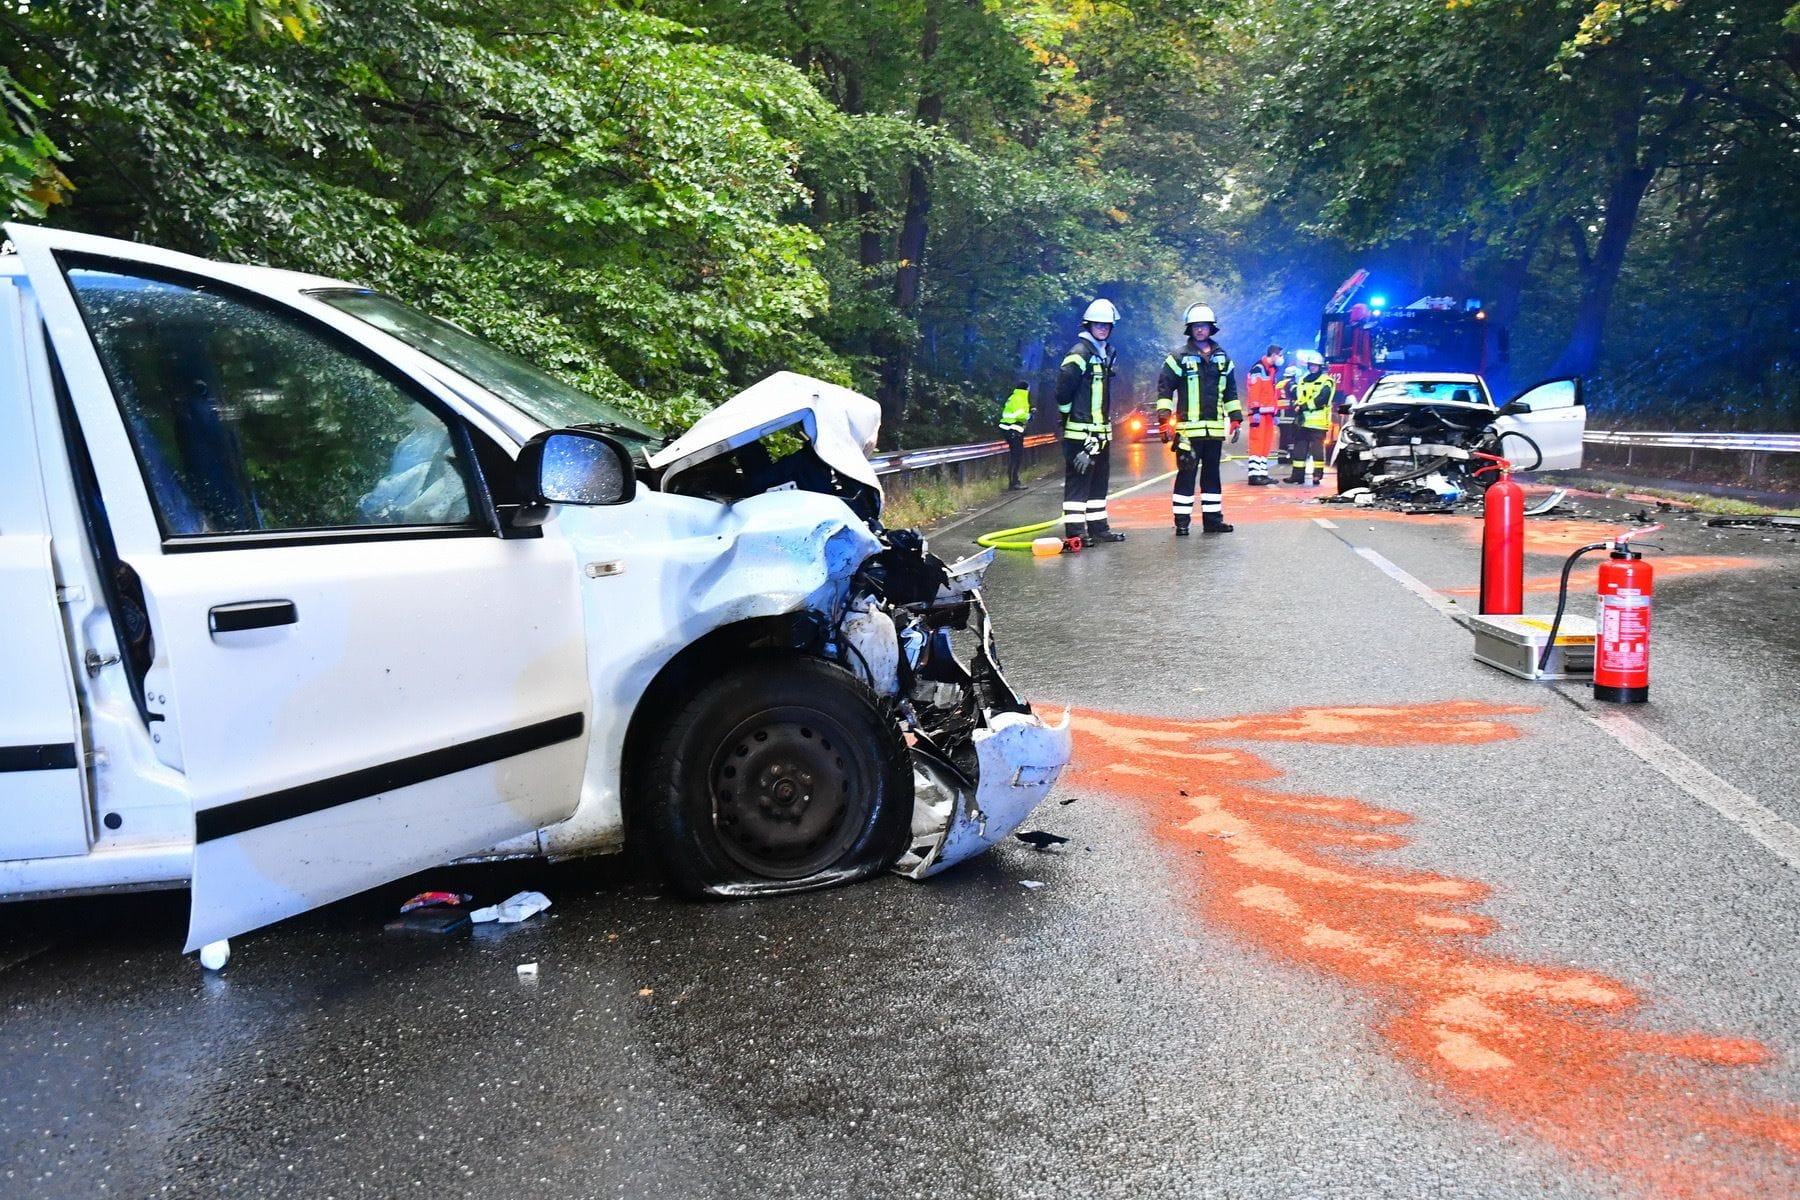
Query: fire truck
{"points": [[1364, 340]]}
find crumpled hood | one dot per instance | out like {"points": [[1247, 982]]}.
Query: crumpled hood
{"points": [[841, 425]]}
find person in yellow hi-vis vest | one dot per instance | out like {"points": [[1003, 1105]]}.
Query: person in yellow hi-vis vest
{"points": [[1196, 398], [1015, 415], [1313, 394], [1084, 398]]}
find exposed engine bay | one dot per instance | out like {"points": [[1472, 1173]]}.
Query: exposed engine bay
{"points": [[1423, 453], [1429, 441]]}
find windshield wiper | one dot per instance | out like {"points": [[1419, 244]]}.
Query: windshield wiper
{"points": [[658, 440]]}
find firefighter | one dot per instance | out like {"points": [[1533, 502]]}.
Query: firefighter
{"points": [[1196, 398], [1313, 395], [1264, 406], [1015, 415], [1084, 398]]}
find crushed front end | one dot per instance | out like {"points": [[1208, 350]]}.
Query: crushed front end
{"points": [[918, 631]]}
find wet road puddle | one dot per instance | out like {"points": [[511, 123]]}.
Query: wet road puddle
{"points": [[1549, 1049]]}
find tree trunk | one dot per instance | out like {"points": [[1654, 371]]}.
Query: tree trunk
{"points": [[913, 226], [868, 224], [1600, 270]]}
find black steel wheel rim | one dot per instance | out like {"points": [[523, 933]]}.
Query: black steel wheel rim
{"points": [[790, 792]]}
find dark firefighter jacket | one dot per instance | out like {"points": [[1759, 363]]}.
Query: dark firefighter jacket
{"points": [[1198, 389], [1084, 390]]}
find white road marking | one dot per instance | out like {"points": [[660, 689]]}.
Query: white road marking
{"points": [[1417, 587], [1740, 808], [1322, 523], [1773, 832]]}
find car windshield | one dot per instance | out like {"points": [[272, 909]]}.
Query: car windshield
{"points": [[1435, 390], [1427, 341], [538, 394]]}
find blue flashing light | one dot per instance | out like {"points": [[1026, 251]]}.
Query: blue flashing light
{"points": [[1377, 301]]}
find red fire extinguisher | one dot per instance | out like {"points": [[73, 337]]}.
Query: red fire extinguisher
{"points": [[1622, 641], [1502, 542]]}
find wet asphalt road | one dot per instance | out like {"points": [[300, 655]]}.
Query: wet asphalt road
{"points": [[1570, 975]]}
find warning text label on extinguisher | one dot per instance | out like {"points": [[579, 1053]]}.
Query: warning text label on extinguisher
{"points": [[1625, 632]]}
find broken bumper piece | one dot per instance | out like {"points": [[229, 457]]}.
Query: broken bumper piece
{"points": [[982, 760], [1018, 760]]}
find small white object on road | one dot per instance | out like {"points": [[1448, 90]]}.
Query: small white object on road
{"points": [[214, 955], [513, 909], [528, 970], [1033, 884]]}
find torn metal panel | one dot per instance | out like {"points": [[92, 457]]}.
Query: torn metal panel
{"points": [[1019, 759], [981, 759]]}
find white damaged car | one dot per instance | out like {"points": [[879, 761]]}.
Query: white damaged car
{"points": [[305, 590], [1426, 433]]}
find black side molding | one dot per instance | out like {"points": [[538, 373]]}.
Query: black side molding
{"points": [[251, 614], [241, 816], [56, 756]]}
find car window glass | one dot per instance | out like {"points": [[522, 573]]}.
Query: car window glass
{"points": [[1442, 391], [245, 420]]}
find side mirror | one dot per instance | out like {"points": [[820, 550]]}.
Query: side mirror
{"points": [[1514, 408], [576, 466]]}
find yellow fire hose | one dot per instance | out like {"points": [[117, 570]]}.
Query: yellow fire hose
{"points": [[1004, 539]]}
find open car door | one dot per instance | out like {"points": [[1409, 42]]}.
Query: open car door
{"points": [[1545, 423], [354, 675], [43, 747]]}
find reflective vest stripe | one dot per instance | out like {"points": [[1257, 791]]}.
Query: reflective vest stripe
{"points": [[1096, 424], [1016, 412], [1195, 420], [1314, 398]]}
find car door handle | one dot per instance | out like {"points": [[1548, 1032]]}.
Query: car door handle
{"points": [[251, 614]]}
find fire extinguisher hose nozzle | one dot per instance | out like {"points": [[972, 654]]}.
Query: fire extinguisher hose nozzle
{"points": [[1562, 596]]}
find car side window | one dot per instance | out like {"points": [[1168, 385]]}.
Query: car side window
{"points": [[246, 420]]}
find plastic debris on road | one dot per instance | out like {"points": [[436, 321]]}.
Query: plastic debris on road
{"points": [[435, 900], [435, 919], [513, 909], [214, 955], [1031, 884], [528, 970], [1040, 840]]}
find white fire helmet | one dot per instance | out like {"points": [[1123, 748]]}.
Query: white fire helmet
{"points": [[1100, 312], [1309, 358], [1197, 313]]}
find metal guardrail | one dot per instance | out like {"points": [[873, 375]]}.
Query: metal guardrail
{"points": [[1754, 444], [1764, 443], [944, 456]]}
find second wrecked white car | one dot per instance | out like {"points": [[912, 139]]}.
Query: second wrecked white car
{"points": [[305, 591]]}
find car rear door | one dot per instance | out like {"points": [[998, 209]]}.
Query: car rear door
{"points": [[356, 674], [1556, 423], [43, 776]]}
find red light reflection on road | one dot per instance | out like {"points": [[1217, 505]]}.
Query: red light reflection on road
{"points": [[1545, 1047]]}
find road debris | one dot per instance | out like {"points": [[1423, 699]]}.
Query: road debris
{"points": [[1031, 884], [1039, 840], [528, 970], [1769, 522], [1069, 801], [436, 900], [214, 955], [1548, 503], [513, 909], [435, 919]]}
